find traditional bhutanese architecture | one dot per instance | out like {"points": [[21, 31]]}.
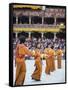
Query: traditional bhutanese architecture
{"points": [[35, 18]]}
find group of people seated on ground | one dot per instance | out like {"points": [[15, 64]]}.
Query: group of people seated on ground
{"points": [[48, 53]]}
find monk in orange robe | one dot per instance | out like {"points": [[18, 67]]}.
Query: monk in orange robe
{"points": [[59, 57], [52, 60], [49, 56], [46, 53], [38, 70], [21, 51]]}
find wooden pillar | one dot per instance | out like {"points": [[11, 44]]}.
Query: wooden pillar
{"points": [[42, 35], [16, 19], [29, 19], [55, 21], [42, 20], [29, 34]]}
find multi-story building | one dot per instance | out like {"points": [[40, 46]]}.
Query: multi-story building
{"points": [[34, 18]]}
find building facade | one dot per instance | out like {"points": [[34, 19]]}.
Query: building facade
{"points": [[42, 19]]}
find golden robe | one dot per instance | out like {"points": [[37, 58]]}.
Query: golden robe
{"points": [[21, 51], [49, 56], [47, 68], [59, 57], [38, 70]]}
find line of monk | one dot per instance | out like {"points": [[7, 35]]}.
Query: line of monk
{"points": [[49, 54]]}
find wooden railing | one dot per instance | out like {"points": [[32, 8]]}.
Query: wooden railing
{"points": [[34, 25]]}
